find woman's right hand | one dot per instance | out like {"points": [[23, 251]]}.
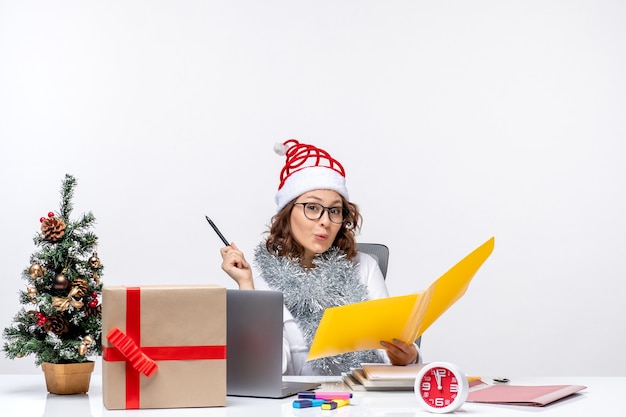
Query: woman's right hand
{"points": [[235, 265]]}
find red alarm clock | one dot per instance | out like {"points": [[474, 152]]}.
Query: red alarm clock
{"points": [[441, 387]]}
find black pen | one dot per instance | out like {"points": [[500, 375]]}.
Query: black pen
{"points": [[217, 231]]}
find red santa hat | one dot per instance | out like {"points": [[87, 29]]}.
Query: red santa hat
{"points": [[307, 168]]}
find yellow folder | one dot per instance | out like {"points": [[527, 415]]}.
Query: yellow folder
{"points": [[362, 326]]}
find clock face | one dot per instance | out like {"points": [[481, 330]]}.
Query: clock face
{"points": [[441, 387]]}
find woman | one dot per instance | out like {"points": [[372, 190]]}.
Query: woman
{"points": [[310, 255]]}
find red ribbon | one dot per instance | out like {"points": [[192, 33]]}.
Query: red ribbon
{"points": [[141, 359]]}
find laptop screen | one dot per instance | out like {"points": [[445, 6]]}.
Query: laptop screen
{"points": [[254, 345]]}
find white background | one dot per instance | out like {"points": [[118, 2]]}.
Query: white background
{"points": [[455, 121]]}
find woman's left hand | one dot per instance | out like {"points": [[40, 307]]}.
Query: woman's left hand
{"points": [[400, 353]]}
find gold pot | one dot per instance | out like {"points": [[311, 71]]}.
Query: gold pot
{"points": [[68, 378]]}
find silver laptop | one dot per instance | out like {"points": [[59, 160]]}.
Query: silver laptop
{"points": [[254, 346]]}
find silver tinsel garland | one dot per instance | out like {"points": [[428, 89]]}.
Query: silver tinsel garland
{"points": [[309, 291]]}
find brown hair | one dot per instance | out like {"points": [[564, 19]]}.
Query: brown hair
{"points": [[282, 243]]}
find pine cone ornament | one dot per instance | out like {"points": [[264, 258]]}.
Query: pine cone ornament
{"points": [[80, 287], [56, 324], [92, 311], [52, 229]]}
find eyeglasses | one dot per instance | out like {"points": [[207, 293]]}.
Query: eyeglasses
{"points": [[315, 211]]}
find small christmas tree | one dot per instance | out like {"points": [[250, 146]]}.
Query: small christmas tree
{"points": [[61, 321]]}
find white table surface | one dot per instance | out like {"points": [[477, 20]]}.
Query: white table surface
{"points": [[26, 395]]}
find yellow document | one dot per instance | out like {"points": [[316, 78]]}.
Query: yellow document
{"points": [[362, 326]]}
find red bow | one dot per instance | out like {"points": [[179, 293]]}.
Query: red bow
{"points": [[132, 352]]}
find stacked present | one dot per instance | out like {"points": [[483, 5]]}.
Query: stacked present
{"points": [[164, 346]]}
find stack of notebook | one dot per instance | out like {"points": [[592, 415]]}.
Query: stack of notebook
{"points": [[384, 377], [381, 377]]}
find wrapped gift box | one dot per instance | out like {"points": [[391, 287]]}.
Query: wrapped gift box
{"points": [[166, 346]]}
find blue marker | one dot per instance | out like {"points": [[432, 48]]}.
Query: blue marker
{"points": [[307, 403]]}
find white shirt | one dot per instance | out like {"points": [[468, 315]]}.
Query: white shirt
{"points": [[295, 350]]}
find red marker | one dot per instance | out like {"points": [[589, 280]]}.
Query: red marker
{"points": [[321, 395]]}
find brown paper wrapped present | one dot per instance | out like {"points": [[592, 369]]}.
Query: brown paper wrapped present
{"points": [[164, 346]]}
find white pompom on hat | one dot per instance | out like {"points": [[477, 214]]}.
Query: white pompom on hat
{"points": [[307, 168]]}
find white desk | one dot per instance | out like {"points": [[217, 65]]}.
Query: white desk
{"points": [[26, 395]]}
